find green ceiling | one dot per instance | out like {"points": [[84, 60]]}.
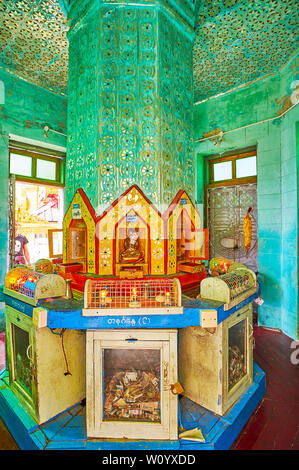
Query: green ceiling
{"points": [[236, 42], [33, 43]]}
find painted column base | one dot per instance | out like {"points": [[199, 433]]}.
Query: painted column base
{"points": [[67, 431]]}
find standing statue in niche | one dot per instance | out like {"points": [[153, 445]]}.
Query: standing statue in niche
{"points": [[131, 252]]}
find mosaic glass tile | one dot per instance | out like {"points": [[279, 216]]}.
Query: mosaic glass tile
{"points": [[33, 42], [134, 118], [236, 42]]}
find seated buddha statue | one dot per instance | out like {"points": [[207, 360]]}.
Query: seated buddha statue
{"points": [[131, 252]]}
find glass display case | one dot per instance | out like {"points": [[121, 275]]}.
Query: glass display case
{"points": [[30, 286], [128, 297], [230, 288], [216, 364], [130, 378], [37, 369]]}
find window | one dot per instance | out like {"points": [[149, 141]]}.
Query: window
{"points": [[20, 165], [46, 169], [246, 167], [38, 211], [222, 171], [37, 208], [229, 169], [36, 164]]}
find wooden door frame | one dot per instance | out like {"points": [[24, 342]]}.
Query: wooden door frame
{"points": [[227, 156]]}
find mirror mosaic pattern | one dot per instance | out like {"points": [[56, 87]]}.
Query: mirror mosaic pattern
{"points": [[236, 42], [33, 42]]}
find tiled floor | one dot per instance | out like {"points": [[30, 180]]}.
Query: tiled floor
{"points": [[275, 423]]}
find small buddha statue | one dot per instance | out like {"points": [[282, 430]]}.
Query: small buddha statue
{"points": [[131, 252]]}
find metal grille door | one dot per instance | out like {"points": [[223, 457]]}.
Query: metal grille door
{"points": [[226, 209]]}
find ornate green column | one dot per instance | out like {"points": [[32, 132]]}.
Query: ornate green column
{"points": [[130, 99]]}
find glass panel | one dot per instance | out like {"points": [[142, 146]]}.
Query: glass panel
{"points": [[246, 167], [45, 169], [237, 365], [131, 385], [20, 165], [21, 361], [78, 244], [222, 171]]}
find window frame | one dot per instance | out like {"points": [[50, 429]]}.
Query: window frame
{"points": [[208, 175], [234, 180], [40, 154]]}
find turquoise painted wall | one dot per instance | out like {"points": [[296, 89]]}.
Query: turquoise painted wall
{"points": [[277, 167], [24, 110], [289, 222]]}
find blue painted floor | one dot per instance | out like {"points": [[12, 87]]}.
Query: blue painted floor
{"points": [[67, 431]]}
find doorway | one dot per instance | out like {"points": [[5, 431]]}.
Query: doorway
{"points": [[231, 194], [36, 203], [38, 209], [227, 207]]}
